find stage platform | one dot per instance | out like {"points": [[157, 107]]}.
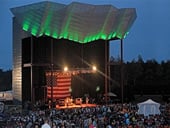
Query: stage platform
{"points": [[75, 106]]}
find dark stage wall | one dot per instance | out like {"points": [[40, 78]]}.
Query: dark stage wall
{"points": [[61, 52]]}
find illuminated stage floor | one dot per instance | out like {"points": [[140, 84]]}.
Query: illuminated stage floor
{"points": [[76, 106]]}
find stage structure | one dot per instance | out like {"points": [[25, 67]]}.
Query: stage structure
{"points": [[48, 35]]}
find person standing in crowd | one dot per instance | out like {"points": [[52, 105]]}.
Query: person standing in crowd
{"points": [[46, 124]]}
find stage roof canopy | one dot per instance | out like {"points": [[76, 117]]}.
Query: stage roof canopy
{"points": [[78, 22]]}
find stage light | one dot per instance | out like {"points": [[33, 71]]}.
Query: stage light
{"points": [[94, 68], [97, 88], [65, 69]]}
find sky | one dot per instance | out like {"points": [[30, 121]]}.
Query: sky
{"points": [[148, 36]]}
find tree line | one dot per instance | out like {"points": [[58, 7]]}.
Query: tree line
{"points": [[5, 80], [139, 77]]}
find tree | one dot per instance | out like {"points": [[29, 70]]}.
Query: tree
{"points": [[5, 80]]}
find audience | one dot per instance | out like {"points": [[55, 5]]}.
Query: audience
{"points": [[101, 116]]}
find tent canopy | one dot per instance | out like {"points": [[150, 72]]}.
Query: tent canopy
{"points": [[148, 107]]}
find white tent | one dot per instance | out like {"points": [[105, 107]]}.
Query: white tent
{"points": [[148, 107]]}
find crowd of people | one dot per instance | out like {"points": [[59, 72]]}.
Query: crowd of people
{"points": [[102, 116]]}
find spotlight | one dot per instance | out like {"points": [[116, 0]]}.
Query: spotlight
{"points": [[94, 68], [65, 69]]}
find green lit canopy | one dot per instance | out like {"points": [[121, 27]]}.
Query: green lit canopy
{"points": [[78, 22]]}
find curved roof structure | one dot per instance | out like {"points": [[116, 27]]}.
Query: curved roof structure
{"points": [[78, 22]]}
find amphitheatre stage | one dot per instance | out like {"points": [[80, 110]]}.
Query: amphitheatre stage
{"points": [[48, 36]]}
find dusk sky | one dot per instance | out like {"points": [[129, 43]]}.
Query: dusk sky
{"points": [[148, 36]]}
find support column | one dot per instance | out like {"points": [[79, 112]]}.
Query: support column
{"points": [[52, 70], [121, 72], [106, 71], [31, 68]]}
